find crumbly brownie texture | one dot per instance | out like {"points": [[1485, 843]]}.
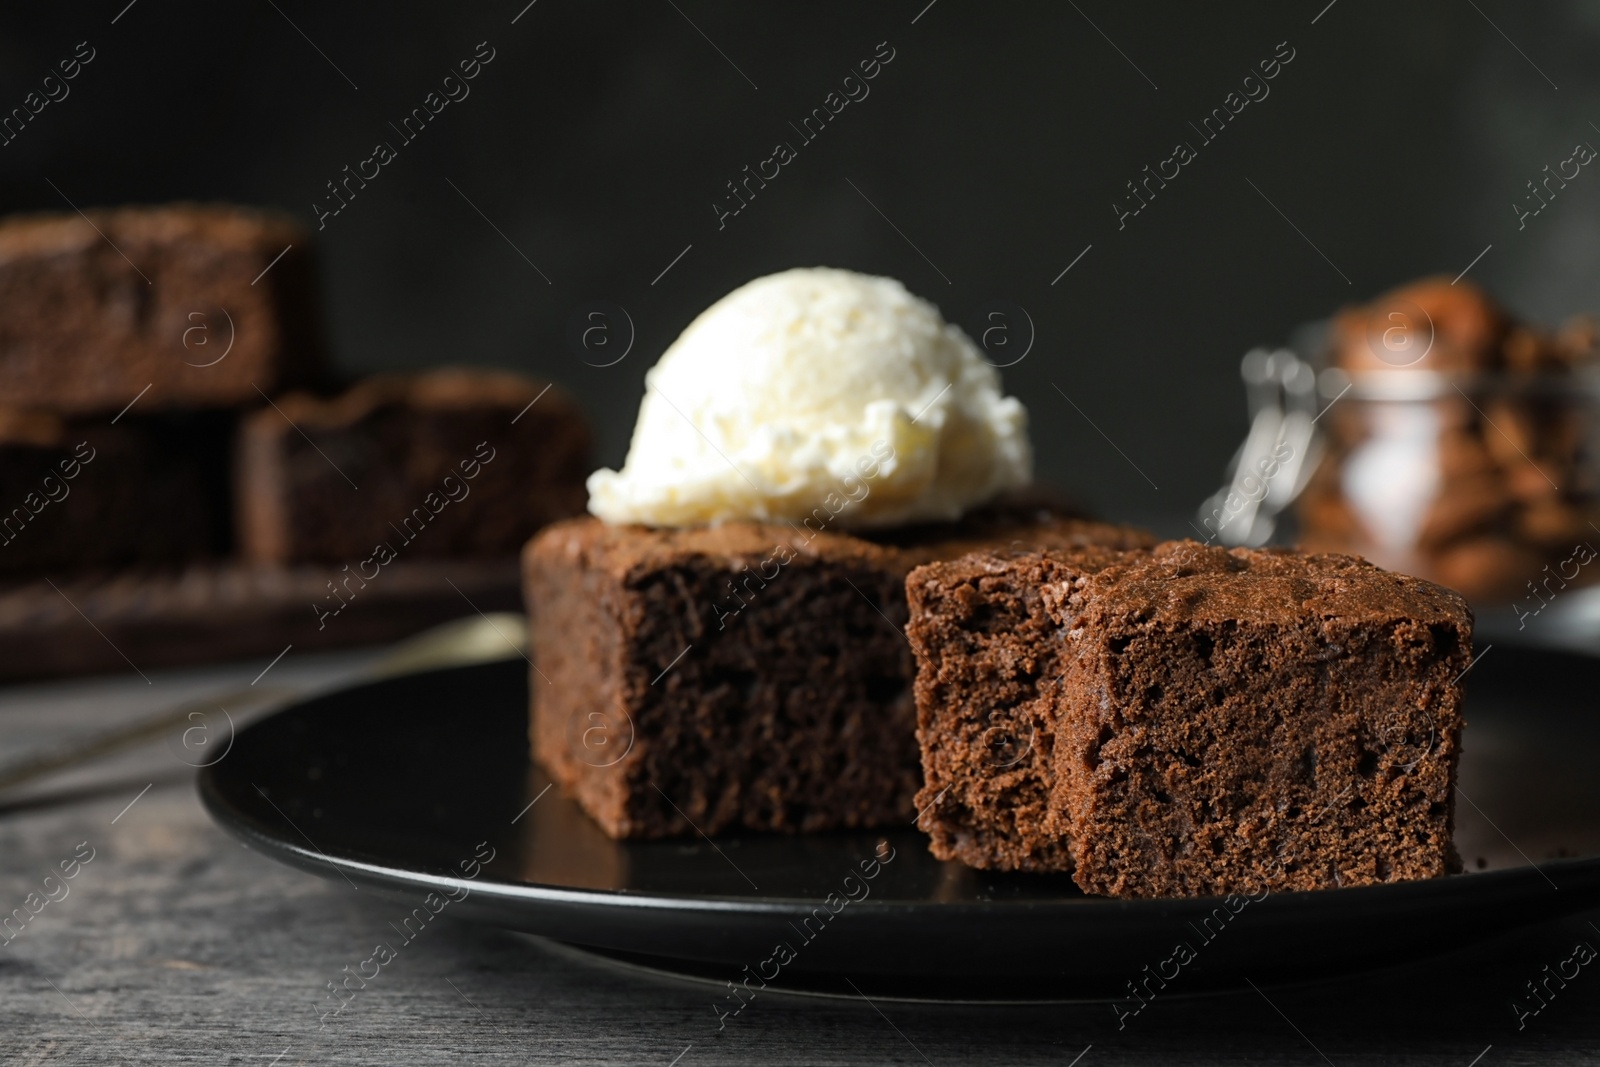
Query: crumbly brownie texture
{"points": [[1242, 720], [1226, 720], [740, 676], [83, 494], [989, 661], [85, 330], [398, 438]]}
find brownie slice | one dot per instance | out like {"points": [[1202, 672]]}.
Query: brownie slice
{"points": [[989, 662], [1258, 719], [76, 494], [178, 299], [748, 675], [454, 462], [1224, 720]]}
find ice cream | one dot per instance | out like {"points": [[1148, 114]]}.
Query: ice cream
{"points": [[813, 388]]}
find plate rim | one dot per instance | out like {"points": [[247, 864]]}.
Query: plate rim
{"points": [[242, 825]]}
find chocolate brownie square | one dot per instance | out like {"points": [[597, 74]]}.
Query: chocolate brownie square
{"points": [[446, 463], [743, 676], [1224, 720], [184, 306]]}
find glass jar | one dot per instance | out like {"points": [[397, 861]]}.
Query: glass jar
{"points": [[1485, 483], [1434, 435]]}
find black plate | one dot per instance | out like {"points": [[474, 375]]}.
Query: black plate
{"points": [[394, 785]]}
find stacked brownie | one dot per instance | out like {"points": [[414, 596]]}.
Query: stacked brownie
{"points": [[745, 675], [129, 339], [1193, 720], [166, 405]]}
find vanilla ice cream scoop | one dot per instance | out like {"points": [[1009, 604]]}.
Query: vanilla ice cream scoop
{"points": [[817, 389]]}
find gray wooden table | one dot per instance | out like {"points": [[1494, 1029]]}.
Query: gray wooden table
{"points": [[175, 944]]}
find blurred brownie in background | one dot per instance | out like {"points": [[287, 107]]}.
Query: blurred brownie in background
{"points": [[181, 306], [90, 494], [446, 463], [176, 480]]}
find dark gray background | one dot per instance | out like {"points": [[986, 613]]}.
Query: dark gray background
{"points": [[996, 141]]}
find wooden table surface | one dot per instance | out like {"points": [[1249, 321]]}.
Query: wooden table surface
{"points": [[175, 944]]}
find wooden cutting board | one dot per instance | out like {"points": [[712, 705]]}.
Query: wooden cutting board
{"points": [[146, 619]]}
